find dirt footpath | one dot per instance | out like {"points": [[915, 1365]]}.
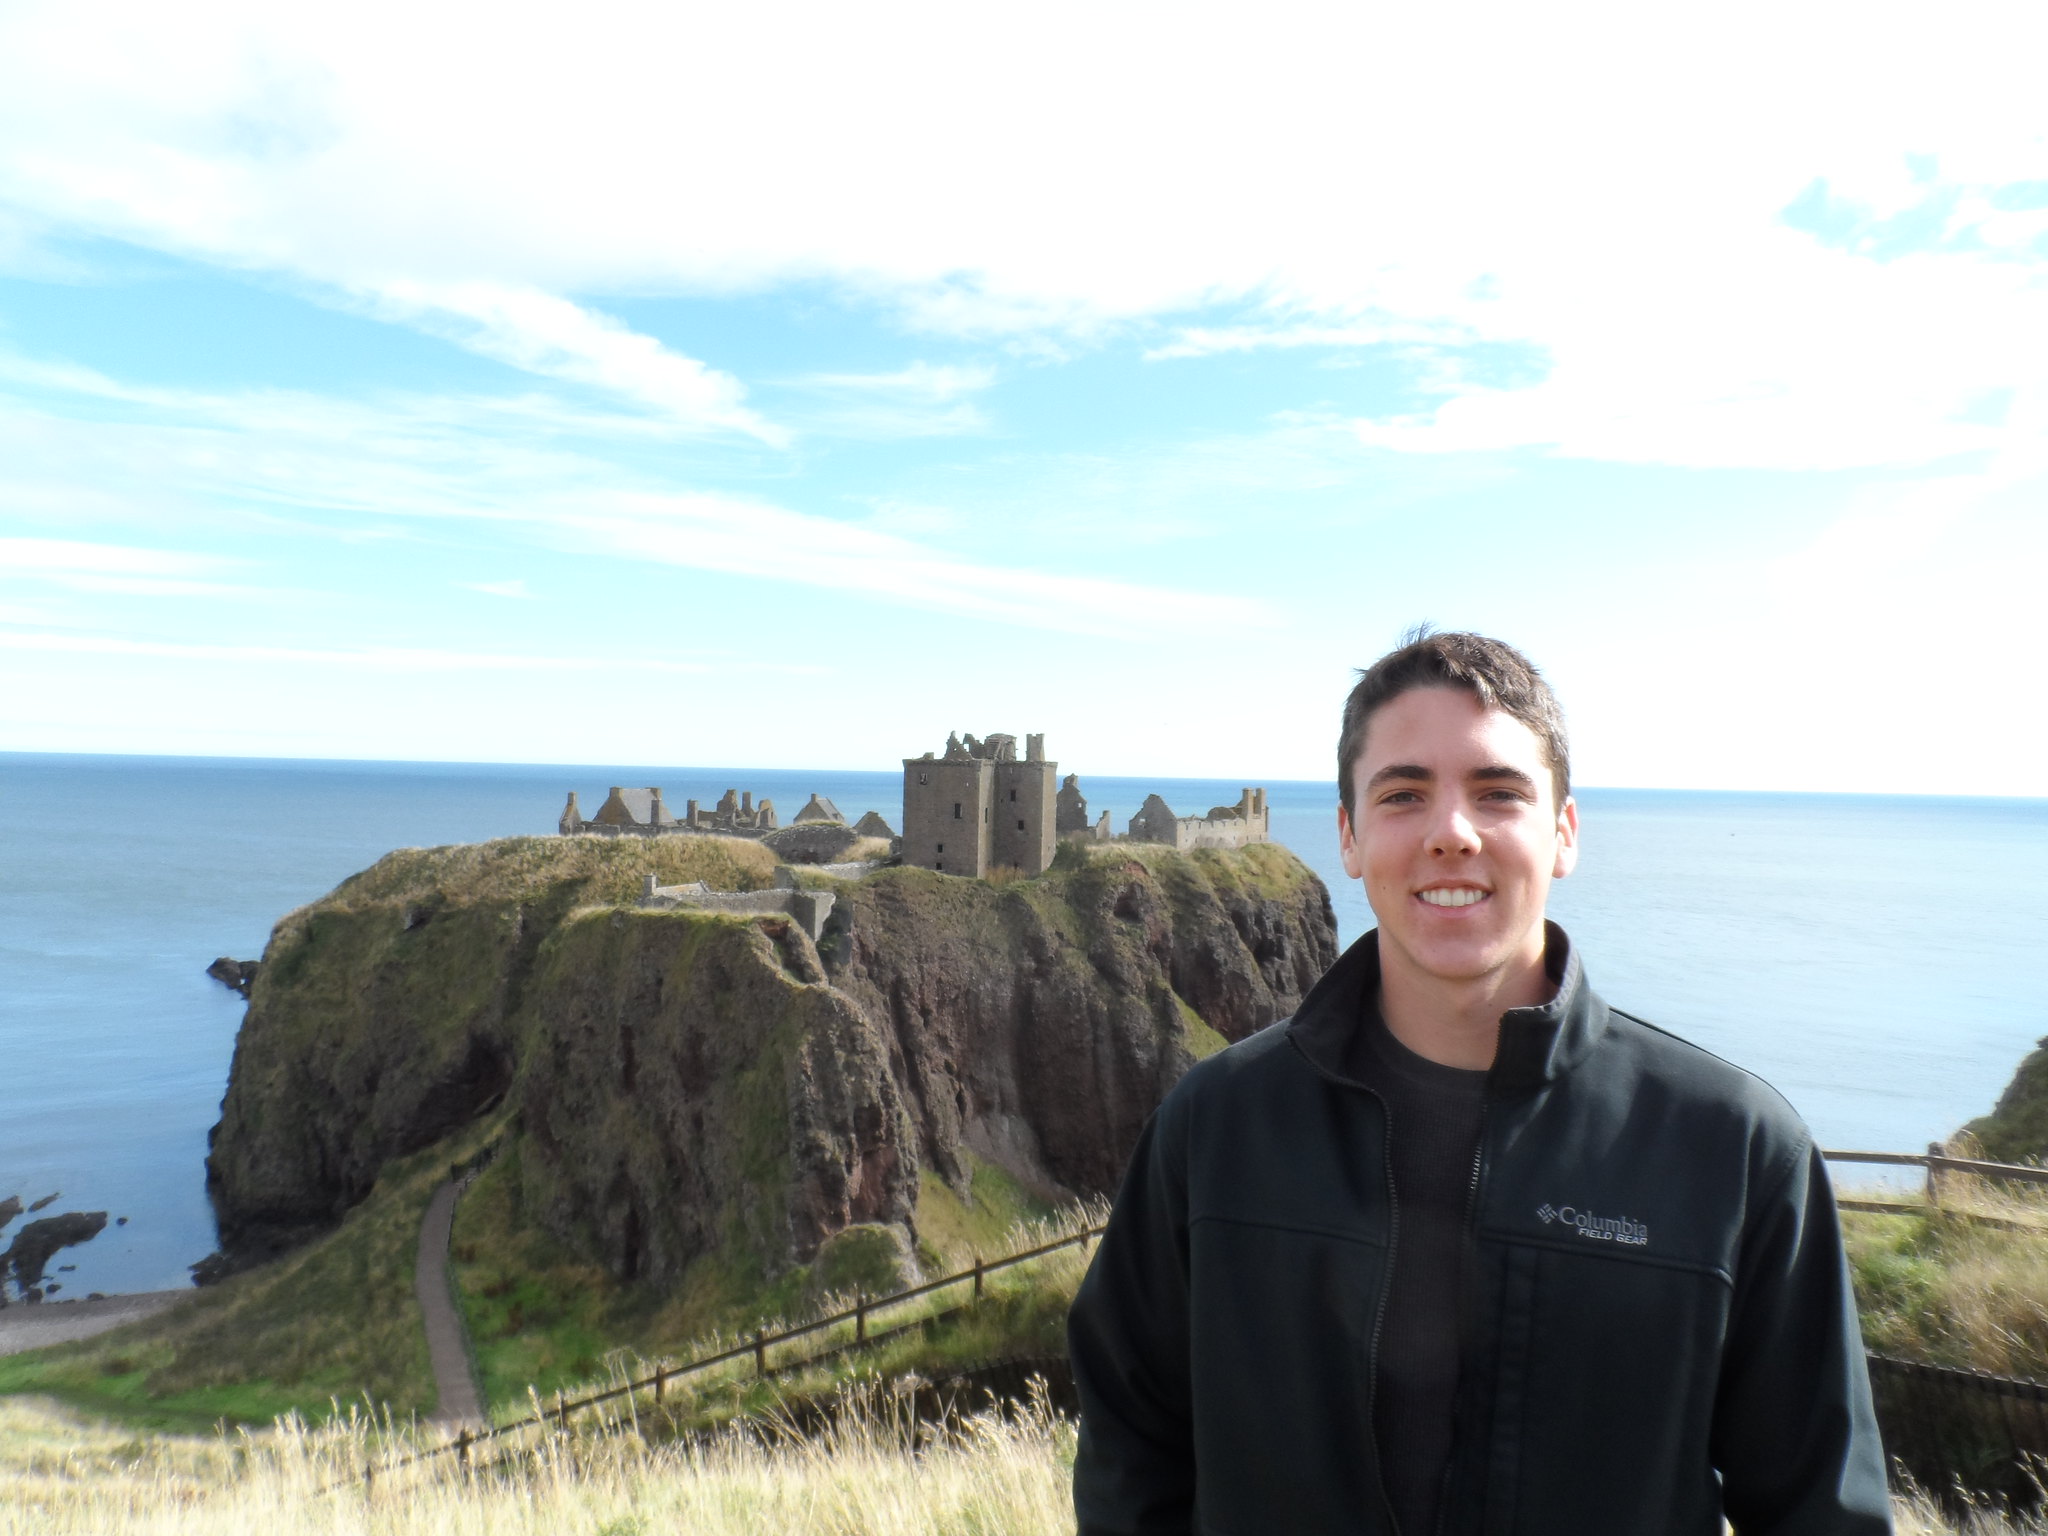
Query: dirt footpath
{"points": [[25, 1326]]}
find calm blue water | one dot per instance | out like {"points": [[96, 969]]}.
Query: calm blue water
{"points": [[1873, 957]]}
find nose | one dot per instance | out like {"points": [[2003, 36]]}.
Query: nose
{"points": [[1451, 831]]}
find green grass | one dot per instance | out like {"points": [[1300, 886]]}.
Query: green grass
{"points": [[335, 1319], [1937, 1286], [952, 1228]]}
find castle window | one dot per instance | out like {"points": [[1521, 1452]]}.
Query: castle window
{"points": [[956, 810], [941, 864], [942, 847], [924, 778], [1013, 794], [1020, 825]]}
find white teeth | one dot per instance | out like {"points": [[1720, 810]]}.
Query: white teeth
{"points": [[1457, 898]]}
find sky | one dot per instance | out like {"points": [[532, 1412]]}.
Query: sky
{"points": [[790, 385]]}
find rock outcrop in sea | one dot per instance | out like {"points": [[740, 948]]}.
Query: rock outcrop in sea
{"points": [[682, 1083]]}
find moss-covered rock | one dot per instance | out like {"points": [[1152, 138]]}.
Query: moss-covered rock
{"points": [[706, 1103], [2016, 1130]]}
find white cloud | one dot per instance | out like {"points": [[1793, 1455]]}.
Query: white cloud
{"points": [[426, 462], [368, 659], [70, 555], [747, 538], [1604, 186], [931, 383], [111, 567], [919, 400], [550, 336]]}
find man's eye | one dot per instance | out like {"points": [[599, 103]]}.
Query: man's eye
{"points": [[1399, 797]]}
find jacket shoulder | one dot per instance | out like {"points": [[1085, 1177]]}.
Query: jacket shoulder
{"points": [[1692, 1080], [1245, 1071]]}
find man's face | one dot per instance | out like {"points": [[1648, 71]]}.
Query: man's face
{"points": [[1454, 830]]}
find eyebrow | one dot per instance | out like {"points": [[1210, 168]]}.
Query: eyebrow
{"points": [[1416, 773]]}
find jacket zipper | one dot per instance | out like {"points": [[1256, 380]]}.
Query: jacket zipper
{"points": [[1372, 1353], [1468, 1258]]}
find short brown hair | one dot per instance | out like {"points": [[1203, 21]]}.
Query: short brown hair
{"points": [[1498, 675]]}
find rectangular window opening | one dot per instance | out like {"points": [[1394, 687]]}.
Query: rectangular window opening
{"points": [[956, 810], [1020, 826]]}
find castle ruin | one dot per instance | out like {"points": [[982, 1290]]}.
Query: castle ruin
{"points": [[1226, 826], [643, 813], [978, 807], [975, 807]]}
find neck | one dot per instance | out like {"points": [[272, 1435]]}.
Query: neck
{"points": [[1457, 1023]]}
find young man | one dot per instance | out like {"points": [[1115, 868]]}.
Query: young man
{"points": [[1460, 1248]]}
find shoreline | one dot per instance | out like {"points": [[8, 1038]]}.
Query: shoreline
{"points": [[37, 1325]]}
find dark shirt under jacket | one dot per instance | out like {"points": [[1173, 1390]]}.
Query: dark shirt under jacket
{"points": [[1434, 1114]]}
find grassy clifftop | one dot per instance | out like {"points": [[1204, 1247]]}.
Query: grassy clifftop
{"points": [[698, 1119]]}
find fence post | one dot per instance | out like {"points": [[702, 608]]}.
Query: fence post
{"points": [[562, 1410], [462, 1448], [860, 1317], [1934, 1149], [760, 1353], [977, 1277], [660, 1381]]}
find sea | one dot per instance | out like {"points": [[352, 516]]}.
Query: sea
{"points": [[1873, 957]]}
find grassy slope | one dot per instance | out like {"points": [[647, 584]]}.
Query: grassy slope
{"points": [[1937, 1286], [335, 1319]]}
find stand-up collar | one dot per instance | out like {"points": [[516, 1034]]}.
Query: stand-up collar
{"points": [[1537, 1045]]}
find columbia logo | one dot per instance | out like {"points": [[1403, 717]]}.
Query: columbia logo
{"points": [[1600, 1229]]}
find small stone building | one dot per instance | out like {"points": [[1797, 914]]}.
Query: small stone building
{"points": [[818, 808]]}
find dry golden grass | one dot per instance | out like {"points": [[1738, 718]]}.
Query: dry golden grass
{"points": [[61, 1476], [1964, 1282]]}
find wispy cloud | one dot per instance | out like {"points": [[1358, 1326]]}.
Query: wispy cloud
{"points": [[427, 462], [757, 539], [71, 557], [919, 400], [934, 383], [374, 659], [543, 334], [1212, 340], [1689, 323], [117, 569]]}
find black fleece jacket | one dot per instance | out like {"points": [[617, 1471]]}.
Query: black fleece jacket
{"points": [[1656, 1325]]}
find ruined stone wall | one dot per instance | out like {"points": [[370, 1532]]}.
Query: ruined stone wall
{"points": [[809, 908], [1024, 815], [948, 813]]}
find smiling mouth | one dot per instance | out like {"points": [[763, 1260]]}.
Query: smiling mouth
{"points": [[1462, 896]]}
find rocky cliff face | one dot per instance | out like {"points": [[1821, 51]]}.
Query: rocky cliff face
{"points": [[682, 1083]]}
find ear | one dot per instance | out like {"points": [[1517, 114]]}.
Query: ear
{"points": [[1567, 840], [1347, 844]]}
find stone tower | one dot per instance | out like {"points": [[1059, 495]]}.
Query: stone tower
{"points": [[977, 807]]}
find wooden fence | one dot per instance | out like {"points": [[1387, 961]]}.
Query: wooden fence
{"points": [[1940, 1424], [1936, 1162], [859, 1314]]}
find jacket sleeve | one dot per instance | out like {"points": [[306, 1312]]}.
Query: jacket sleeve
{"points": [[1795, 1436], [1127, 1336]]}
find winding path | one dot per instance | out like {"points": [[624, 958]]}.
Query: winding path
{"points": [[447, 1343]]}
